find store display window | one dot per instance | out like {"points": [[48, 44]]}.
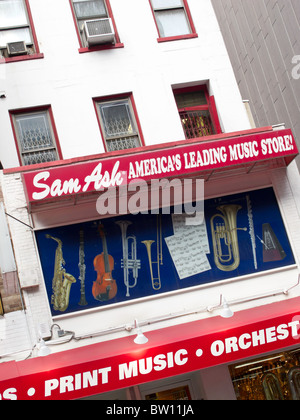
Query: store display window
{"points": [[275, 377], [102, 262], [178, 393]]}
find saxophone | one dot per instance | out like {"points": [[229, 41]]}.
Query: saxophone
{"points": [[62, 281]]}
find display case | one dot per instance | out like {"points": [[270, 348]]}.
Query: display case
{"points": [[273, 377]]}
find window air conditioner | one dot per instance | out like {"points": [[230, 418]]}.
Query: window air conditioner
{"points": [[16, 48], [99, 31]]}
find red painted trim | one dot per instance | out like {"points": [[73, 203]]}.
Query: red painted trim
{"points": [[21, 58], [15, 137], [100, 48], [137, 120], [193, 33], [58, 147], [177, 38], [214, 114], [36, 44], [84, 49], [194, 108], [118, 97], [75, 22], [47, 108], [95, 101], [119, 153], [153, 14], [189, 15]]}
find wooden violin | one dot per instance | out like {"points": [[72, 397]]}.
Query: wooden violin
{"points": [[105, 287]]}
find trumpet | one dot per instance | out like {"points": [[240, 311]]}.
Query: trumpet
{"points": [[129, 262], [227, 231], [156, 281]]}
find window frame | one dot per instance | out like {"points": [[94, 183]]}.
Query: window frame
{"points": [[30, 25], [133, 115], [210, 106], [192, 34], [83, 48], [27, 111], [2, 306]]}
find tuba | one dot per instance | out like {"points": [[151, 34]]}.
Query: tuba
{"points": [[156, 281], [224, 237], [62, 281], [129, 262]]}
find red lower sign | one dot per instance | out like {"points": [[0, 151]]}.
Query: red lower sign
{"points": [[180, 160], [171, 351]]}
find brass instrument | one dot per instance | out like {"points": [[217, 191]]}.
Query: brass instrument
{"points": [[272, 388], [62, 281], [156, 281], [82, 269], [294, 382], [129, 262], [227, 231]]}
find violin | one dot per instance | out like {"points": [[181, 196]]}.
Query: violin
{"points": [[105, 287]]}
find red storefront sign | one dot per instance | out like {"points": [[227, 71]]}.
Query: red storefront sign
{"points": [[177, 161], [170, 351]]}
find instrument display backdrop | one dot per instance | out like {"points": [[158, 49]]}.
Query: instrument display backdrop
{"points": [[103, 262]]}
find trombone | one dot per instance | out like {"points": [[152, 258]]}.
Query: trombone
{"points": [[129, 262], [156, 281]]}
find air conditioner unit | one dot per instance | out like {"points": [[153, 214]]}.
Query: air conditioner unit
{"points": [[16, 48], [99, 31]]}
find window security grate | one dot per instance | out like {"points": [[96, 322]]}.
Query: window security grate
{"points": [[196, 124], [123, 143]]}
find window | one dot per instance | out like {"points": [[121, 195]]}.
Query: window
{"points": [[10, 297], [197, 112], [17, 36], [36, 136], [1, 307], [118, 123], [95, 24], [173, 19], [274, 377]]}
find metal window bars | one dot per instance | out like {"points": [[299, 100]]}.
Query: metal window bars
{"points": [[196, 124]]}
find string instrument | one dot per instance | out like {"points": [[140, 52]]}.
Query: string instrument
{"points": [[105, 287]]}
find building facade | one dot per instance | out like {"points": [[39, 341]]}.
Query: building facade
{"points": [[263, 44], [138, 198]]}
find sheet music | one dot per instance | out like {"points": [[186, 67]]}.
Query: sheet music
{"points": [[188, 254], [180, 226]]}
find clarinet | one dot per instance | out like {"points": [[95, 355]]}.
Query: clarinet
{"points": [[82, 268]]}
